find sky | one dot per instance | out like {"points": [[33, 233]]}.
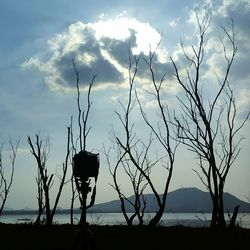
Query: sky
{"points": [[39, 40]]}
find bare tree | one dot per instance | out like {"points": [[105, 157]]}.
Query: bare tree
{"points": [[162, 131], [80, 142], [40, 150], [72, 179], [40, 197], [138, 202], [75, 147], [83, 115], [122, 160], [209, 128], [129, 144], [5, 183]]}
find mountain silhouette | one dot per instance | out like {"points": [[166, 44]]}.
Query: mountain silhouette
{"points": [[183, 200]]}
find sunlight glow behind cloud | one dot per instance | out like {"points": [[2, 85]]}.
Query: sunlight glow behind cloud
{"points": [[98, 48]]}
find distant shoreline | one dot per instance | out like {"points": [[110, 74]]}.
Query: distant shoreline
{"points": [[183, 200], [78, 211]]}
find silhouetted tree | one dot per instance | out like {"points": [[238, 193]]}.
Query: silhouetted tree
{"points": [[40, 150], [162, 130], [80, 142], [209, 128], [6, 183], [40, 197], [138, 204], [135, 154]]}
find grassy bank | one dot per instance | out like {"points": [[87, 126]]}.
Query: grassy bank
{"points": [[27, 236]]}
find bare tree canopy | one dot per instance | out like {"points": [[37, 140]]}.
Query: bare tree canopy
{"points": [[209, 128], [133, 154], [40, 150], [79, 144], [6, 182]]}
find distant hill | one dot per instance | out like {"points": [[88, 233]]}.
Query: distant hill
{"points": [[184, 200]]}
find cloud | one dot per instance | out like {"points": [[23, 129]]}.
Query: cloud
{"points": [[174, 22], [243, 103], [102, 48], [99, 48], [214, 63], [239, 12]]}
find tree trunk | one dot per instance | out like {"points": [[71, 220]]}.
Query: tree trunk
{"points": [[49, 218], [156, 219], [218, 219], [234, 217]]}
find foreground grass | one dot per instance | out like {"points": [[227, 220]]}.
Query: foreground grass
{"points": [[27, 236]]}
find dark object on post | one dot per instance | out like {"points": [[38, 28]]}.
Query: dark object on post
{"points": [[86, 165]]}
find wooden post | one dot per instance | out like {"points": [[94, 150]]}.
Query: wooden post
{"points": [[84, 192]]}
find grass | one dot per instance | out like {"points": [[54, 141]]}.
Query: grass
{"points": [[28, 236]]}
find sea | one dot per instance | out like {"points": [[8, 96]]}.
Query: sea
{"points": [[168, 219]]}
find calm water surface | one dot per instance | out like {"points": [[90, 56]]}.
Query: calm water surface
{"points": [[168, 219]]}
